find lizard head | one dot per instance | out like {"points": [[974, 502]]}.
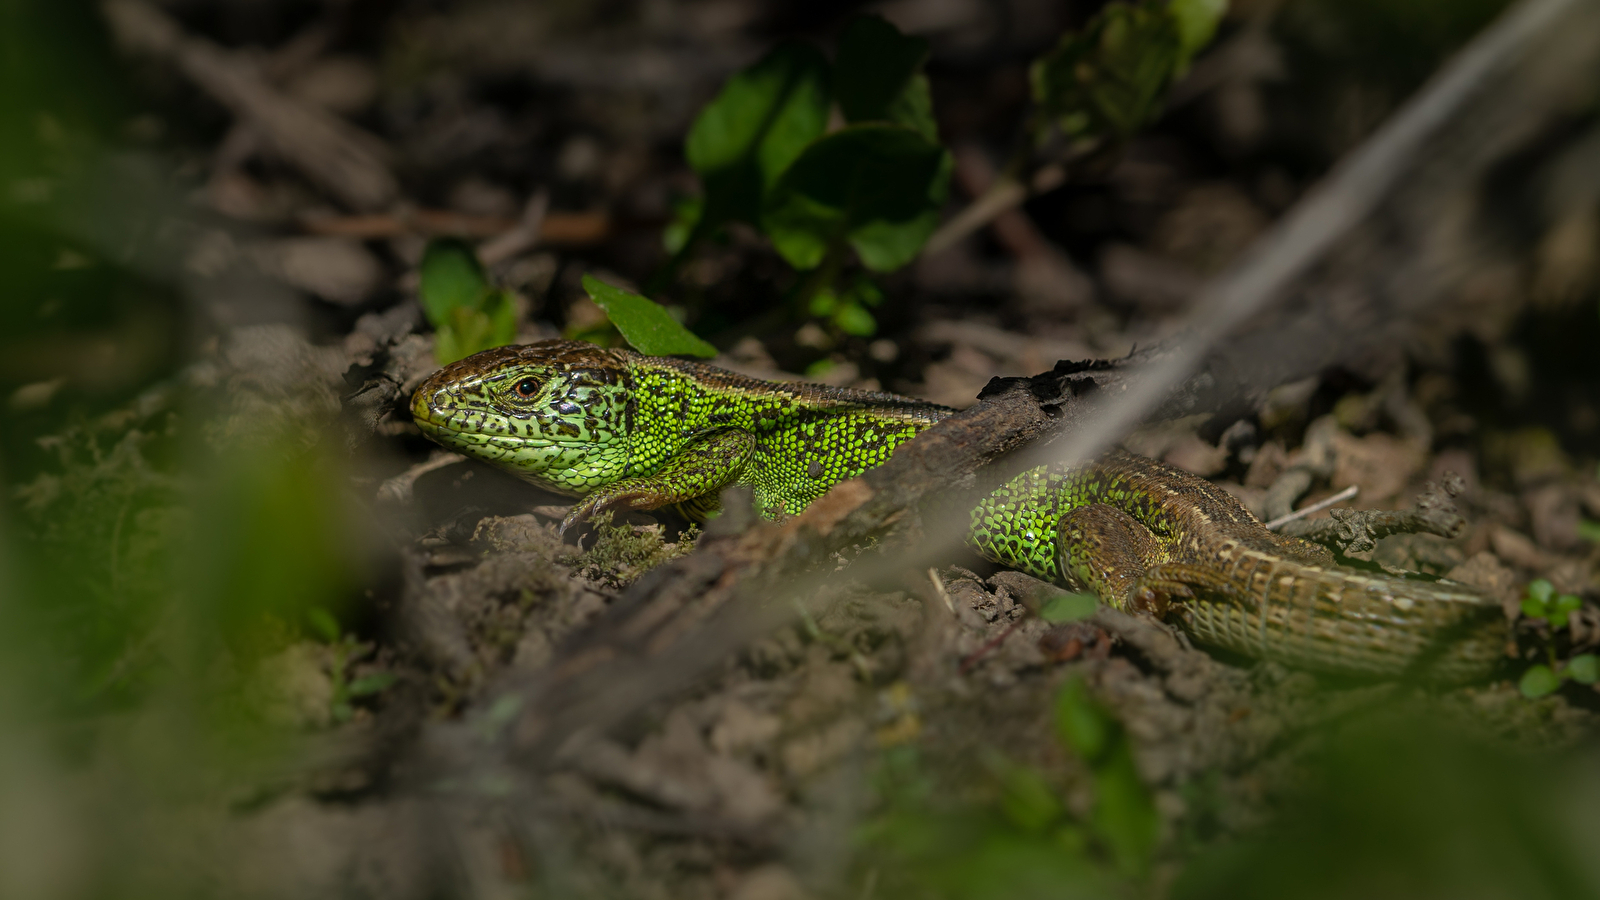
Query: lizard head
{"points": [[553, 413]]}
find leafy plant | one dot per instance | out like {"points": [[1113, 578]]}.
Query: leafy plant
{"points": [[1026, 840], [1540, 601], [346, 650], [467, 314], [874, 187], [1124, 820], [1108, 81]]}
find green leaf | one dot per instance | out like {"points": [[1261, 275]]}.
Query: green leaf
{"points": [[1534, 608], [1197, 23], [323, 624], [877, 187], [1589, 530], [745, 138], [450, 279], [1584, 668], [1562, 608], [686, 215], [1540, 589], [1027, 799], [1081, 725], [467, 331], [1069, 607], [823, 302], [1538, 681], [645, 325], [1110, 79], [1125, 815], [855, 321], [375, 683], [878, 77], [866, 293]]}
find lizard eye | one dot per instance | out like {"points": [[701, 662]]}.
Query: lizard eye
{"points": [[526, 388]]}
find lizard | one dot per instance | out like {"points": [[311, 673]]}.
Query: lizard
{"points": [[620, 430]]}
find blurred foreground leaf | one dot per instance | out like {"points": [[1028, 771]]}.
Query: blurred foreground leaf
{"points": [[644, 323], [1401, 808], [1069, 607]]}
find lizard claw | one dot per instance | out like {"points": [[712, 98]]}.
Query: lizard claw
{"points": [[578, 513]]}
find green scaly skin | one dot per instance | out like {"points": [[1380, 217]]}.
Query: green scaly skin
{"points": [[621, 430]]}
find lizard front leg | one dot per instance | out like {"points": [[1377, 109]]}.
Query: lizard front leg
{"points": [[703, 466]]}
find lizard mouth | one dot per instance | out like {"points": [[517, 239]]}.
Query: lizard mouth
{"points": [[467, 428]]}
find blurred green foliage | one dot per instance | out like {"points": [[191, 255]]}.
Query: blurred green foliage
{"points": [[1110, 79], [644, 323], [467, 314], [1540, 601], [152, 548], [1401, 807], [746, 137], [345, 650], [1019, 838]]}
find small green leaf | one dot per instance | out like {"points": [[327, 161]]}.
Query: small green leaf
{"points": [[1541, 589], [823, 302], [1563, 607], [686, 215], [1110, 79], [878, 78], [855, 321], [745, 138], [1534, 608], [878, 187], [645, 325], [1584, 668], [1069, 607], [375, 683], [450, 279], [866, 293], [1197, 23], [1081, 725], [1125, 815], [1589, 530], [323, 624], [1027, 799], [820, 368], [1538, 681]]}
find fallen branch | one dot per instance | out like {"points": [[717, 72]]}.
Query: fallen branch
{"points": [[569, 229]]}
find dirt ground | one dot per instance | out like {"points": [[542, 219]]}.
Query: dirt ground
{"points": [[432, 714]]}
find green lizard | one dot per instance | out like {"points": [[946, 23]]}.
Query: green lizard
{"points": [[621, 430]]}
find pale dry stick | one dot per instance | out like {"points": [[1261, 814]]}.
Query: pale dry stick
{"points": [[523, 237], [1005, 193], [1316, 507]]}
